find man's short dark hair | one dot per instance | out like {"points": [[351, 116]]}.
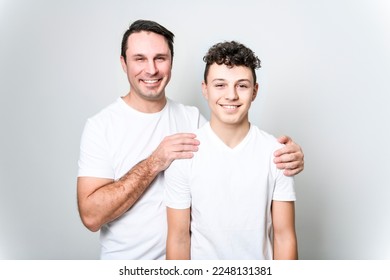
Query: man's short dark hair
{"points": [[149, 26]]}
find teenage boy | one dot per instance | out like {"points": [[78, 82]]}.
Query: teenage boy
{"points": [[230, 201]]}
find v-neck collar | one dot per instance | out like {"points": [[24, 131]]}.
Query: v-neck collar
{"points": [[219, 143]]}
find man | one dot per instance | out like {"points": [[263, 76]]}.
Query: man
{"points": [[230, 201], [126, 147]]}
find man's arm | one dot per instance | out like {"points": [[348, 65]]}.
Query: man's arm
{"points": [[102, 200], [290, 157], [285, 240], [178, 240]]}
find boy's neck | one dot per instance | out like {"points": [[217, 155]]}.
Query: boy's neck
{"points": [[230, 134]]}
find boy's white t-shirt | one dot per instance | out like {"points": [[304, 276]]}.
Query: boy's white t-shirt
{"points": [[113, 141], [230, 192]]}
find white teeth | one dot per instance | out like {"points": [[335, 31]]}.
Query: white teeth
{"points": [[150, 81], [229, 106]]}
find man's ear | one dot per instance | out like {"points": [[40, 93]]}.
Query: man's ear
{"points": [[123, 63], [255, 91], [204, 90]]}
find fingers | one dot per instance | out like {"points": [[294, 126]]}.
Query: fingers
{"points": [[291, 148], [181, 135], [291, 168], [289, 158], [290, 164], [285, 140], [181, 143], [292, 172], [176, 146]]}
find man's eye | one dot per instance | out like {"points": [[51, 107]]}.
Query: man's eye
{"points": [[161, 58]]}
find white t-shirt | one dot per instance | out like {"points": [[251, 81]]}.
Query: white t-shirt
{"points": [[230, 192], [113, 141]]}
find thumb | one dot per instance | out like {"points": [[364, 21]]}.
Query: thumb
{"points": [[284, 139]]}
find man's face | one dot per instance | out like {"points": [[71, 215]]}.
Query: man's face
{"points": [[148, 65], [229, 93]]}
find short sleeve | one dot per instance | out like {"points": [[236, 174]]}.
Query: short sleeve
{"points": [[94, 160], [177, 193], [284, 187]]}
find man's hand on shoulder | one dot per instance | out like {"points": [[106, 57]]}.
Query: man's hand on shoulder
{"points": [[290, 158]]}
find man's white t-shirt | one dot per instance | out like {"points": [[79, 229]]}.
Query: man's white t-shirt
{"points": [[230, 191], [113, 141]]}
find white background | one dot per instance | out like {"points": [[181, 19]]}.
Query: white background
{"points": [[324, 81]]}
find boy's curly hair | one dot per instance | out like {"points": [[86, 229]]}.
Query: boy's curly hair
{"points": [[231, 54]]}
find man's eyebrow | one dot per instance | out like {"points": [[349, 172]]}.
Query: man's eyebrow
{"points": [[162, 54], [218, 80], [244, 80], [137, 54], [156, 55]]}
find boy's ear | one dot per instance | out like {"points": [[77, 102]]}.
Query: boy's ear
{"points": [[255, 91], [204, 90]]}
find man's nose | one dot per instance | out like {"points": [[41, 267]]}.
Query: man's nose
{"points": [[151, 67]]}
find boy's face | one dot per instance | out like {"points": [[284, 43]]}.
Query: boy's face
{"points": [[229, 93]]}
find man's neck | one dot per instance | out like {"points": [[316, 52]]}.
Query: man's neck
{"points": [[143, 105]]}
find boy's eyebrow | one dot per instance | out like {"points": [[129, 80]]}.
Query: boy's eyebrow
{"points": [[223, 80]]}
